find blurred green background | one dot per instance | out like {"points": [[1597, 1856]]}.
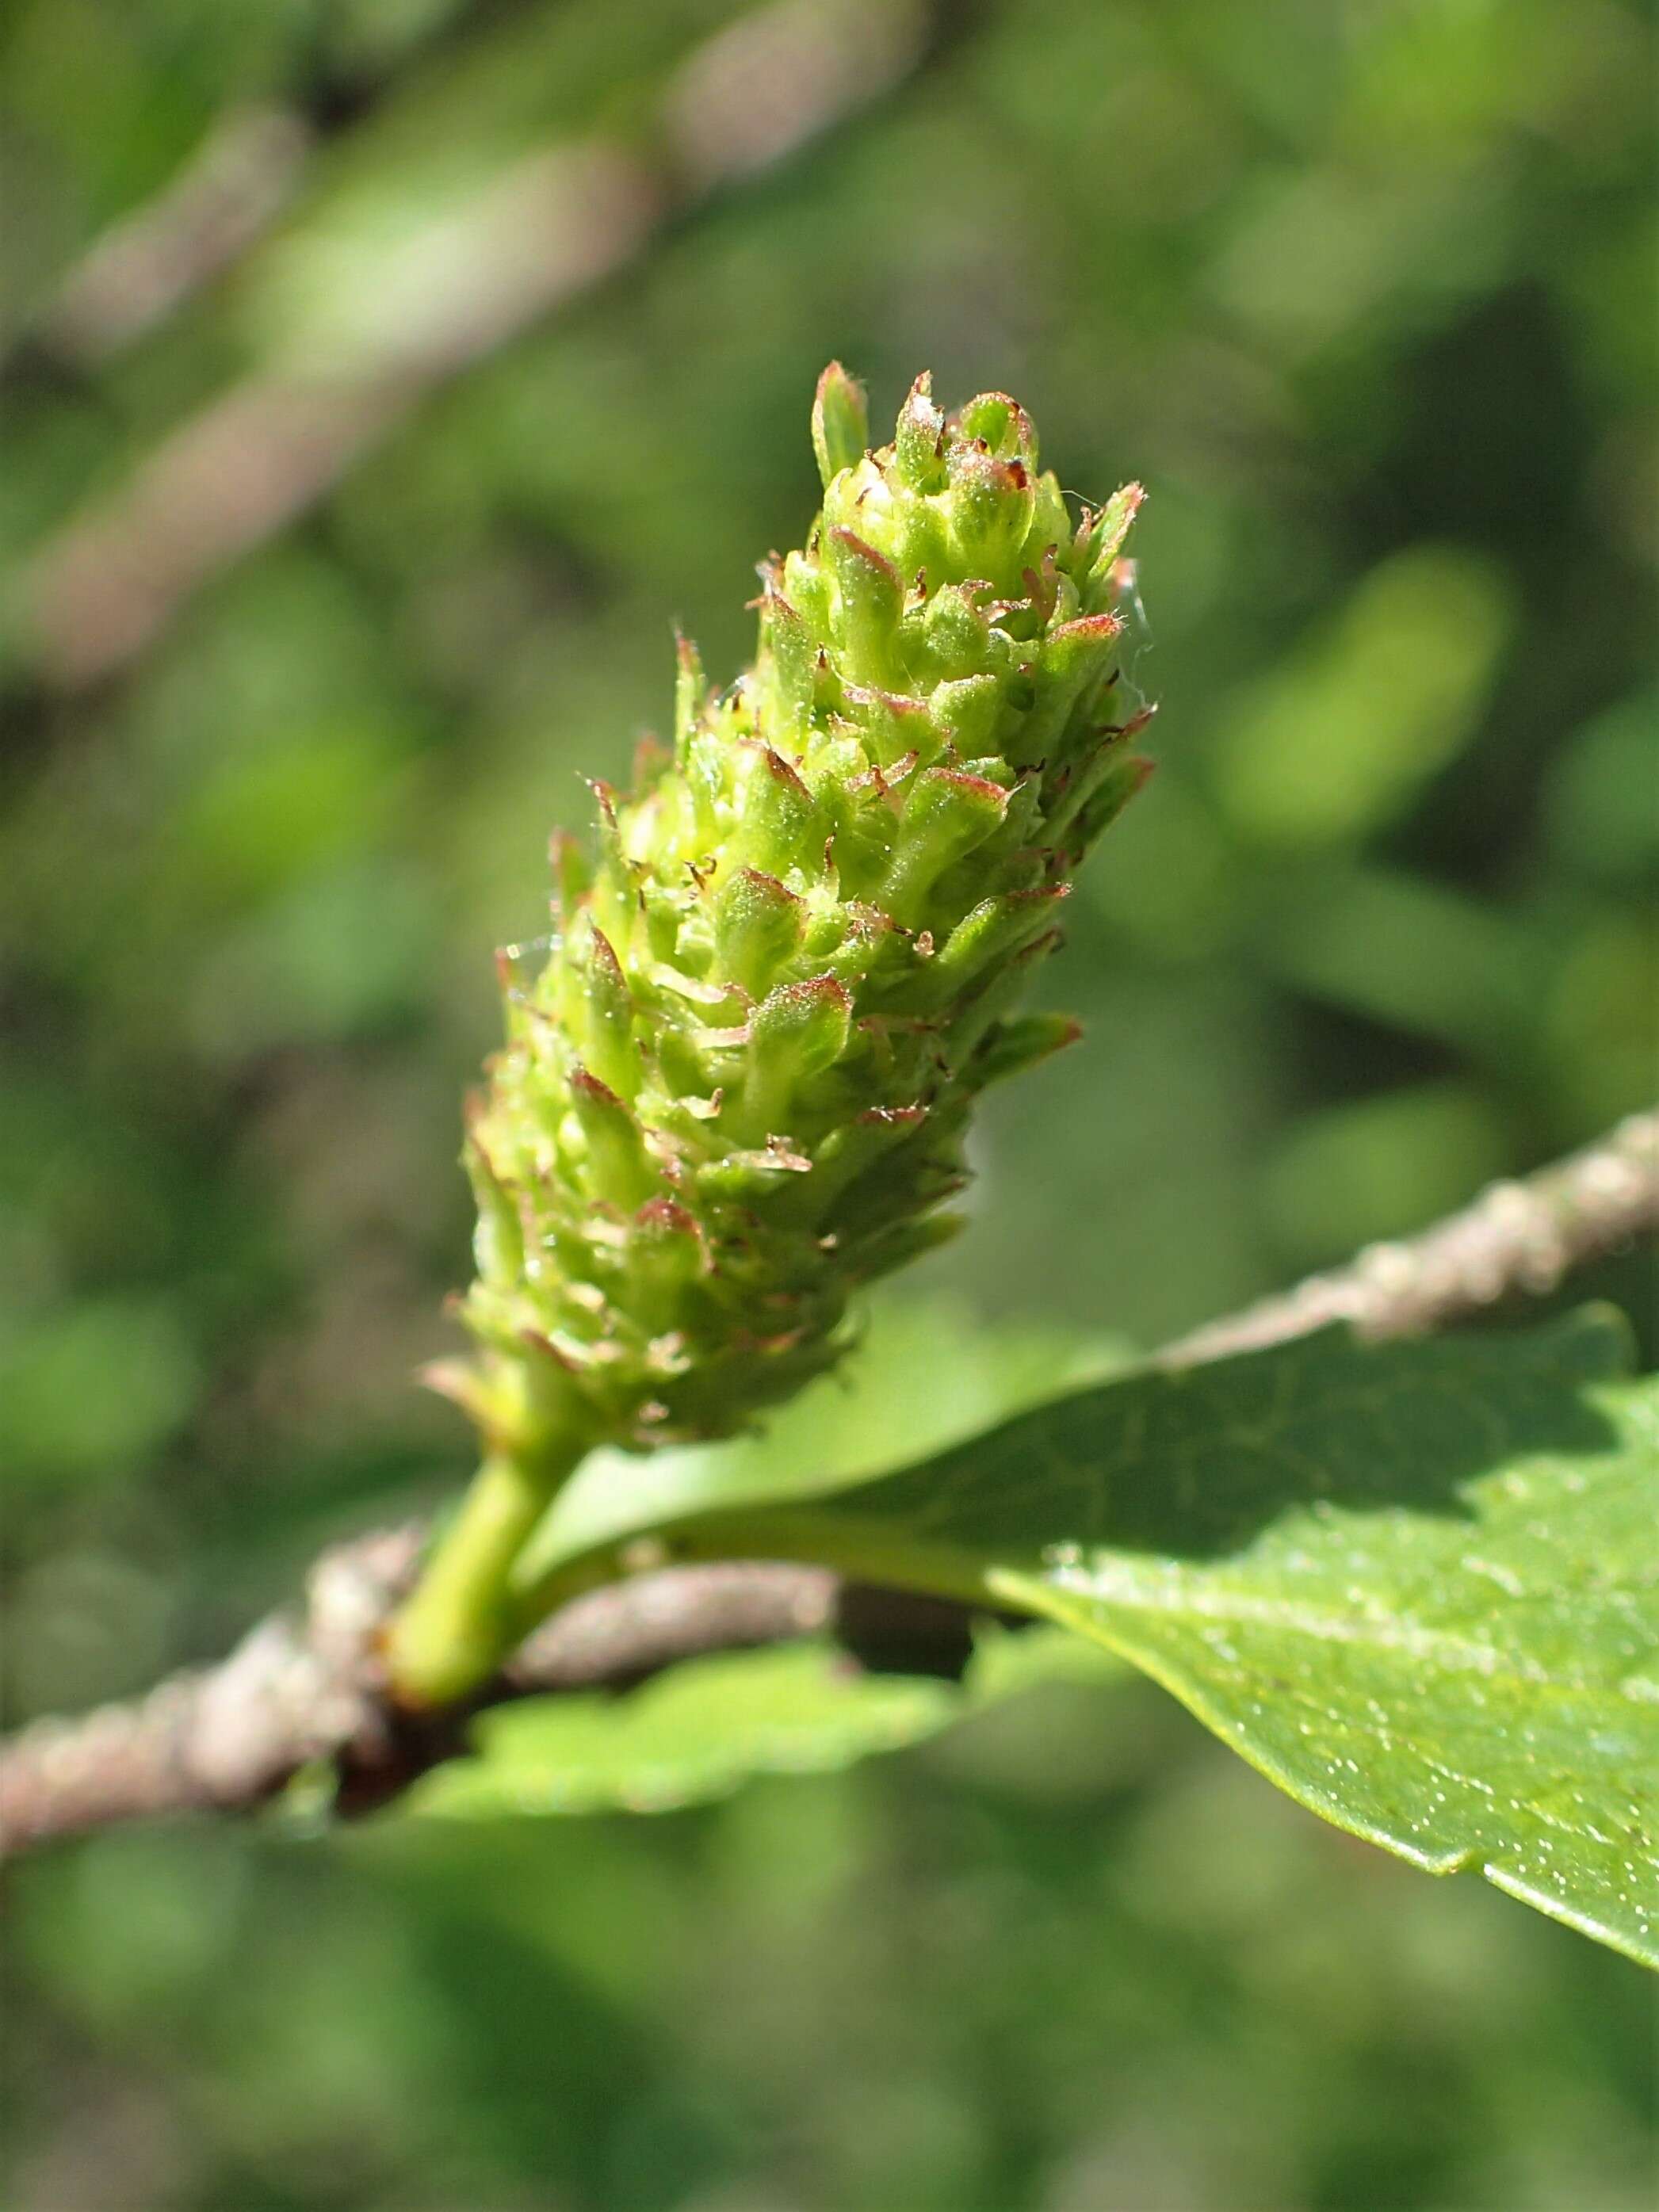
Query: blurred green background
{"points": [[379, 378]]}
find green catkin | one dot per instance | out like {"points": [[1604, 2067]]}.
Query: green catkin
{"points": [[737, 1086]]}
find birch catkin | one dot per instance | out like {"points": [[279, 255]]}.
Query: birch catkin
{"points": [[738, 1086]]}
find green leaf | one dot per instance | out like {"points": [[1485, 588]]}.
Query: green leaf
{"points": [[1417, 1585], [698, 1732]]}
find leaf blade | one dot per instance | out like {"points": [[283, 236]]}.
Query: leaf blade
{"points": [[697, 1733], [1417, 1585]]}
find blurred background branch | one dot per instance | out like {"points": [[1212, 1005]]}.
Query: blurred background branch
{"points": [[141, 270], [540, 233]]}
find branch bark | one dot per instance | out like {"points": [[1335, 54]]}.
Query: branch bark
{"points": [[308, 1686], [1525, 1236]]}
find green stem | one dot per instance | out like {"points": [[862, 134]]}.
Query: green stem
{"points": [[871, 1552], [455, 1629]]}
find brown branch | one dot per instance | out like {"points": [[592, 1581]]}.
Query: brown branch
{"points": [[1517, 1237], [310, 1686], [543, 234]]}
